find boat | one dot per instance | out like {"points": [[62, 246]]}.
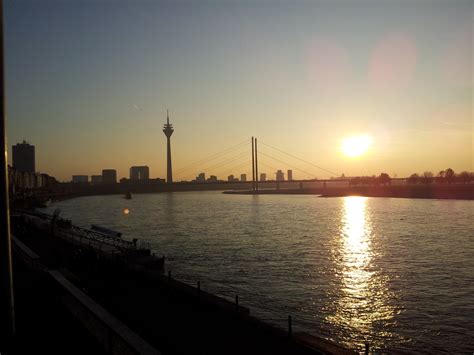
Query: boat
{"points": [[109, 233]]}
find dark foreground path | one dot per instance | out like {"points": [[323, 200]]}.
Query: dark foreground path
{"points": [[43, 325]]}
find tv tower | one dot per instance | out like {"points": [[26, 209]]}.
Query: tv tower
{"points": [[168, 131]]}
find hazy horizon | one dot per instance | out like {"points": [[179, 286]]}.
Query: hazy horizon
{"points": [[89, 82]]}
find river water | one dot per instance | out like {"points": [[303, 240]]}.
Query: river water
{"points": [[396, 273]]}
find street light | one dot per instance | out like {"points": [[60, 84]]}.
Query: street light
{"points": [[7, 311]]}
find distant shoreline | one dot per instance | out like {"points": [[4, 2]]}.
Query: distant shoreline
{"points": [[434, 191], [430, 191]]}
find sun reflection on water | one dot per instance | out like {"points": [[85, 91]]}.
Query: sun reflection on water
{"points": [[363, 304]]}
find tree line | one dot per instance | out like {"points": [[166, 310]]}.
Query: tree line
{"points": [[447, 176], [382, 179]]}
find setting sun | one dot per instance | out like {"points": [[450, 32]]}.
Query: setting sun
{"points": [[356, 146]]}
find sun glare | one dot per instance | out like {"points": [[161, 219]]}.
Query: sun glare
{"points": [[356, 146]]}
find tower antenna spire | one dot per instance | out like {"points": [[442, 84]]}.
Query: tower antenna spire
{"points": [[168, 131]]}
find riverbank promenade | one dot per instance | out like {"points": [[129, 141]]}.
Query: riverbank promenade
{"points": [[159, 313]]}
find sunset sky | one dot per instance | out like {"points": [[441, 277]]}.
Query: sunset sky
{"points": [[89, 82]]}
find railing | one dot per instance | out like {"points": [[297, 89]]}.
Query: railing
{"points": [[99, 237], [114, 336], [82, 233], [28, 256], [279, 326], [110, 332]]}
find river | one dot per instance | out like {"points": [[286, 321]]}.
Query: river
{"points": [[396, 273]]}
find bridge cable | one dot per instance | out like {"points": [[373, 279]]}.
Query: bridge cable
{"points": [[304, 161], [210, 158], [281, 161], [237, 167], [237, 157], [268, 166], [220, 164]]}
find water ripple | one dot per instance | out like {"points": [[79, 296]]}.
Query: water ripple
{"points": [[397, 273]]}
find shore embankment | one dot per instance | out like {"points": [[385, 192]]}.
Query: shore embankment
{"points": [[432, 191], [325, 189], [173, 317]]}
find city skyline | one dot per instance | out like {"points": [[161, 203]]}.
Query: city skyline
{"points": [[289, 177], [88, 83]]}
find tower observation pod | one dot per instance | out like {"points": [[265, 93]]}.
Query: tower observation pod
{"points": [[168, 131]]}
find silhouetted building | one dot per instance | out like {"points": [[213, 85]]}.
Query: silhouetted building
{"points": [[201, 177], [48, 181], [231, 178], [212, 178], [139, 173], [20, 181], [109, 176], [23, 157], [263, 177], [168, 131], [96, 179], [243, 177], [280, 175], [80, 178], [290, 175]]}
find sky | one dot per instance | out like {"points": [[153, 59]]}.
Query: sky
{"points": [[89, 82]]}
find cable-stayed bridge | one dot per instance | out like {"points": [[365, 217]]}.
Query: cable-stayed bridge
{"points": [[237, 160]]}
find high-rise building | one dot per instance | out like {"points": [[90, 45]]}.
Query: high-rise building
{"points": [[243, 177], [290, 175], [23, 157], [139, 173], [96, 179], [263, 177], [80, 179], [109, 176], [168, 131], [212, 178], [280, 175], [231, 178]]}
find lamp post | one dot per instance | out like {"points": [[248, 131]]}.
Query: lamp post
{"points": [[7, 312]]}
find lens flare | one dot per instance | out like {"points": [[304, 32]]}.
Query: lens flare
{"points": [[126, 211], [356, 146]]}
